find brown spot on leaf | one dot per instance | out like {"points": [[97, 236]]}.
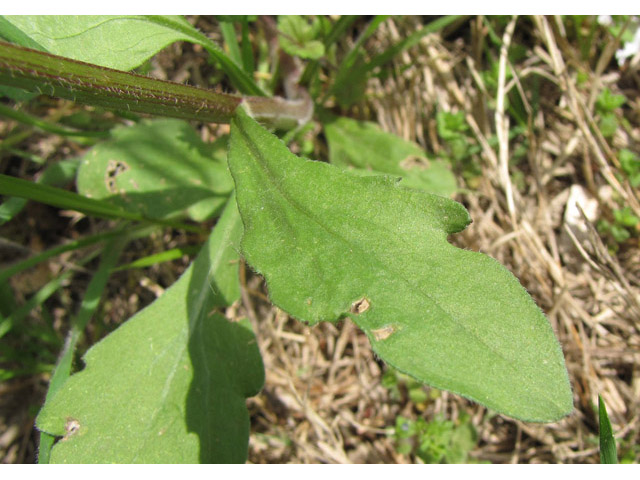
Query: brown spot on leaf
{"points": [[114, 168], [71, 426], [360, 306], [383, 333]]}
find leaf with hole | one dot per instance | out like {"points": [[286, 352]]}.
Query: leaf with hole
{"points": [[169, 385], [325, 238], [137, 170]]}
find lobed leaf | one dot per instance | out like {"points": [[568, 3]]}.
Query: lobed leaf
{"points": [[169, 385], [332, 244]]}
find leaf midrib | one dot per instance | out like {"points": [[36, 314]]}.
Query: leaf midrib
{"points": [[255, 150]]}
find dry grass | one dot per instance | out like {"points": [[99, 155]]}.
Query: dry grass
{"points": [[323, 400]]}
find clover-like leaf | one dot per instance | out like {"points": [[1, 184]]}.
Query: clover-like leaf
{"points": [[333, 244], [169, 385]]}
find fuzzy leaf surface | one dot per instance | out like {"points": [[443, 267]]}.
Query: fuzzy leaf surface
{"points": [[122, 42], [169, 385], [365, 145], [137, 170], [332, 244]]}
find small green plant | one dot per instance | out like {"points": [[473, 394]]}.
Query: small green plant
{"points": [[606, 104], [343, 239], [436, 441], [396, 382], [630, 163], [623, 226]]}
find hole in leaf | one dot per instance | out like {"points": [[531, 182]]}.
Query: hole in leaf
{"points": [[71, 426], [360, 306], [114, 168], [383, 333]]}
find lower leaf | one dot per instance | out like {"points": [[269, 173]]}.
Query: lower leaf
{"points": [[169, 385]]}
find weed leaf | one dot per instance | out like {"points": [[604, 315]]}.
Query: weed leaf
{"points": [[169, 385], [120, 42], [365, 145], [123, 42], [137, 170], [298, 37], [332, 244]]}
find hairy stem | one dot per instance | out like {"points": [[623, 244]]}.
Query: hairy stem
{"points": [[94, 85]]}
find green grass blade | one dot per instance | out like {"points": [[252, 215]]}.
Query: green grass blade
{"points": [[17, 187], [411, 40], [46, 126], [350, 79], [608, 452], [241, 80], [72, 245], [57, 174], [371, 28], [248, 61], [39, 297], [339, 28], [229, 34], [161, 257]]}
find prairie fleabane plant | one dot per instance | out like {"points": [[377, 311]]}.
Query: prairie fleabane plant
{"points": [[336, 240]]}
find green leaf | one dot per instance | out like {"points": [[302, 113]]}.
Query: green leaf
{"points": [[298, 37], [169, 385], [607, 101], [332, 244], [159, 168], [625, 217], [630, 163], [123, 42], [608, 452], [365, 145], [89, 305]]}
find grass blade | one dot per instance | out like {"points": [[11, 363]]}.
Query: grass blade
{"points": [[161, 257], [608, 452], [229, 34], [72, 245], [46, 126], [17, 187]]}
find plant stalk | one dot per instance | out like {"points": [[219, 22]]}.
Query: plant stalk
{"points": [[82, 82]]}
